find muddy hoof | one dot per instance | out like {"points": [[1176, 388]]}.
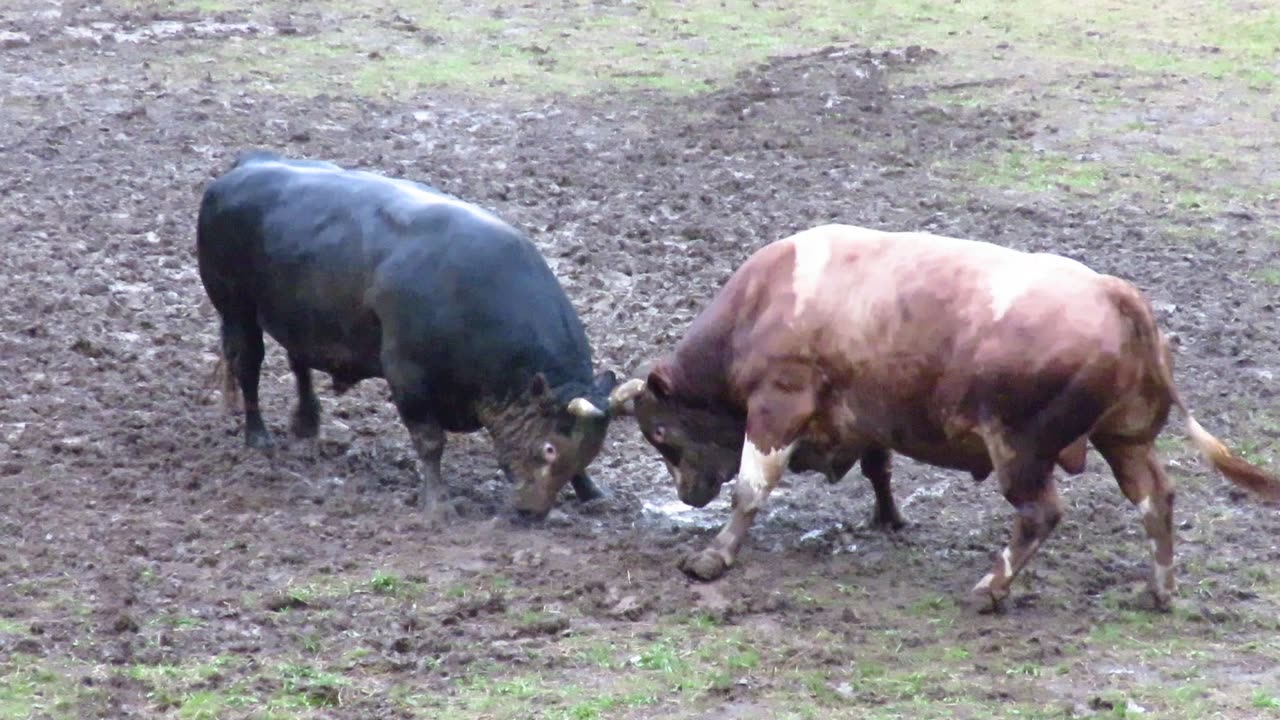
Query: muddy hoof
{"points": [[704, 565], [1161, 600], [987, 598], [259, 440], [305, 426], [586, 489], [889, 522], [438, 513]]}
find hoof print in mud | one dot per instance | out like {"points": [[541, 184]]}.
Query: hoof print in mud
{"points": [[704, 565]]}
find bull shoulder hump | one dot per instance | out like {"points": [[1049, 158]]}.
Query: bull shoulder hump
{"points": [[406, 189], [812, 253]]}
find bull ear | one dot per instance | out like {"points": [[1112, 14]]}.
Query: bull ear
{"points": [[538, 385], [659, 381]]}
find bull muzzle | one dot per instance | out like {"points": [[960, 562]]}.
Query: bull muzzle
{"points": [[692, 489]]}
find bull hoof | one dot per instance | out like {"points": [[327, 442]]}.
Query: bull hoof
{"points": [[704, 565], [259, 440], [586, 489], [1162, 594], [438, 513], [305, 425], [888, 522], [987, 597]]}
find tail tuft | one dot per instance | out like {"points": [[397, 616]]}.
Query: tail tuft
{"points": [[230, 388], [1243, 474]]}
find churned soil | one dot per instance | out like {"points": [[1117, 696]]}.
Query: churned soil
{"points": [[127, 496]]}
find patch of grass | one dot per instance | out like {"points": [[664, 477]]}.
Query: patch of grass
{"points": [[661, 656], [932, 606], [599, 654], [1268, 276], [386, 583], [1040, 172], [170, 685], [303, 686], [210, 705], [30, 687], [1265, 700]]}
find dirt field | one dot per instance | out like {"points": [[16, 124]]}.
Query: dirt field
{"points": [[151, 566]]}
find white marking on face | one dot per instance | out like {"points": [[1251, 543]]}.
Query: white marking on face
{"points": [[812, 252], [406, 187], [759, 472]]}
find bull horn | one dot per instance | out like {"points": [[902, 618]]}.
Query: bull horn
{"points": [[583, 408], [625, 393]]}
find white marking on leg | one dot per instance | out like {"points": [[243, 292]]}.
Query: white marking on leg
{"points": [[759, 472], [1162, 576], [812, 253], [1144, 507], [985, 582]]}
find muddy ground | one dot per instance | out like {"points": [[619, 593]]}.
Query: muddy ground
{"points": [[139, 532]]}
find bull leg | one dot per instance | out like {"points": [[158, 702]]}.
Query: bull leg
{"points": [[242, 346], [306, 416], [1027, 483], [1143, 481], [757, 477], [428, 442], [585, 488], [774, 420], [876, 468]]}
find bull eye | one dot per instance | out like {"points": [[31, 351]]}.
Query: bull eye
{"points": [[549, 452]]}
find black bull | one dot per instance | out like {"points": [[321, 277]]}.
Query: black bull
{"points": [[362, 276]]}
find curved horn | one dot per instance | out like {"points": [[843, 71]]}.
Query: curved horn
{"points": [[625, 393], [583, 408]]}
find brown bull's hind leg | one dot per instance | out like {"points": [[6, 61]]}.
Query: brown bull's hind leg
{"points": [[1027, 483], [876, 468], [1143, 481]]}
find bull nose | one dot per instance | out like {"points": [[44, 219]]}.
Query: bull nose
{"points": [[696, 497]]}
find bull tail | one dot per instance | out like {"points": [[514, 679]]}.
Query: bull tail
{"points": [[1245, 475], [230, 388], [1240, 472]]}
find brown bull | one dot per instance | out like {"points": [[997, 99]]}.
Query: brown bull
{"points": [[842, 344]]}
